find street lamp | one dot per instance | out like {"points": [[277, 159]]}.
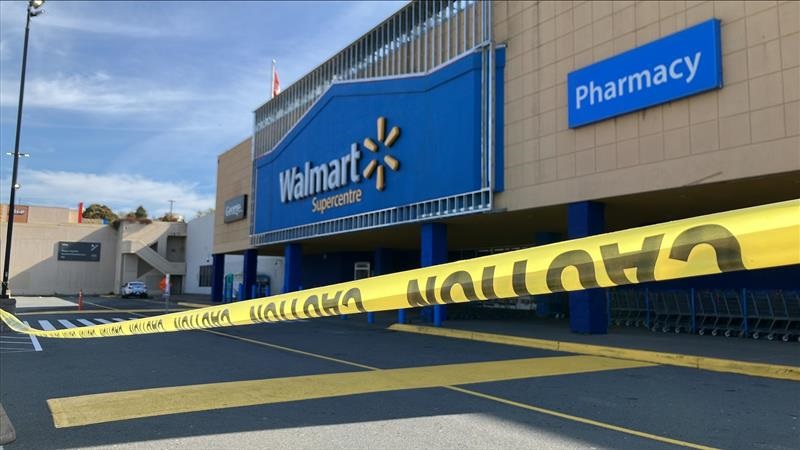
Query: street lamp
{"points": [[34, 9]]}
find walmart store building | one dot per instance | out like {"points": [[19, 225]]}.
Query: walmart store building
{"points": [[456, 129]]}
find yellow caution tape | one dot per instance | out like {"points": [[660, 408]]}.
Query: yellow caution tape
{"points": [[746, 239]]}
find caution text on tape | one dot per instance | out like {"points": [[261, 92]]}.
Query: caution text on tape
{"points": [[746, 239]]}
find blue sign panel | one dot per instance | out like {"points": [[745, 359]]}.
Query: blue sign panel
{"points": [[676, 66], [370, 145]]}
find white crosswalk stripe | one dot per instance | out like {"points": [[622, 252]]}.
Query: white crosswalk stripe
{"points": [[34, 340], [20, 342], [67, 323]]}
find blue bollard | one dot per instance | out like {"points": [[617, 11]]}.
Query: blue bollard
{"points": [[437, 315]]}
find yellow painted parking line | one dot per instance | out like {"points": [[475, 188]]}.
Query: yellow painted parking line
{"points": [[113, 406], [472, 393], [583, 420], [672, 359]]}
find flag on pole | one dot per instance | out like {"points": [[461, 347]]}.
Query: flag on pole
{"points": [[276, 83]]}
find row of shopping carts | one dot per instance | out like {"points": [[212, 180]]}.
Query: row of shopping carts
{"points": [[744, 313]]}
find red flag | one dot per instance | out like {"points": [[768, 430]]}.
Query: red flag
{"points": [[276, 83]]}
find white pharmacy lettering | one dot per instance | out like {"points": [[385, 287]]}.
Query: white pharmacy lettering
{"points": [[296, 184], [638, 81]]}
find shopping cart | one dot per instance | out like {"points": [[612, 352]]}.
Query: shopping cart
{"points": [[729, 309], [780, 315], [707, 318], [792, 299], [660, 312], [679, 312], [672, 311], [615, 308], [641, 307], [761, 320]]}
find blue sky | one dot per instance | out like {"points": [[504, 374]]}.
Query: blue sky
{"points": [[129, 103]]}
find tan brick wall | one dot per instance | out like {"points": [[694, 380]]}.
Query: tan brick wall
{"points": [[750, 127], [36, 270], [234, 176]]}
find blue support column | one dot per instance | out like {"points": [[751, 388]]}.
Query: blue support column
{"points": [[217, 276], [292, 266], [249, 272], [588, 313], [434, 251], [380, 266]]}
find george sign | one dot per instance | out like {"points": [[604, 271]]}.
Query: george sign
{"points": [[371, 145], [679, 65], [21, 213], [79, 251], [235, 208]]}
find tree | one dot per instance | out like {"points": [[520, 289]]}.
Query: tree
{"points": [[140, 213], [99, 211], [167, 217], [203, 212]]}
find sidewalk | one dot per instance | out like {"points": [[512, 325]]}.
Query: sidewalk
{"points": [[30, 302], [711, 352], [751, 350]]}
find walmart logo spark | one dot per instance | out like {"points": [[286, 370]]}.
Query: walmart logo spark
{"points": [[391, 162]]}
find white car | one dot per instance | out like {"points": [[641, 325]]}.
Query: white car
{"points": [[133, 288]]}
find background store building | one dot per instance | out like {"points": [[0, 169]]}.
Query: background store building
{"points": [[54, 253]]}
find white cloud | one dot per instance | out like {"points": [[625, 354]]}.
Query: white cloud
{"points": [[122, 192], [128, 19], [103, 26], [96, 93]]}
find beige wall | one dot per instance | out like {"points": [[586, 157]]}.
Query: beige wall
{"points": [[750, 127], [167, 239], [44, 214], [234, 174], [35, 269]]}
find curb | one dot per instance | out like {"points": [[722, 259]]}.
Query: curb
{"points": [[776, 371], [7, 432], [196, 305]]}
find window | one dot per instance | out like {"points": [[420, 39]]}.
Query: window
{"points": [[205, 275]]}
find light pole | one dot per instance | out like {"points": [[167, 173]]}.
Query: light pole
{"points": [[34, 9]]}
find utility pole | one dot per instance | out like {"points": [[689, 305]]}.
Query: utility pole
{"points": [[33, 11], [171, 202]]}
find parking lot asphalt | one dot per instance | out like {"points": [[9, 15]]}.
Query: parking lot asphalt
{"points": [[333, 383]]}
